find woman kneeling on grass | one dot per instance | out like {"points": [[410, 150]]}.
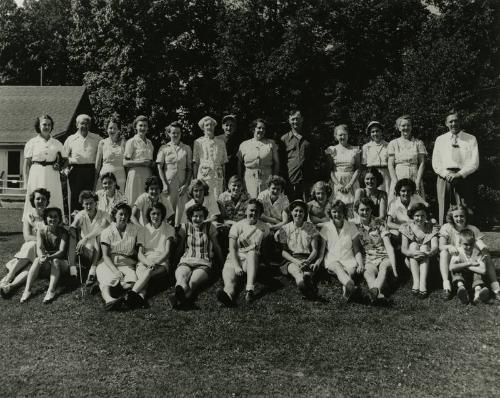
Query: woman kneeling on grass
{"points": [[118, 245], [245, 240], [51, 248], [299, 243], [199, 238], [344, 257], [379, 253], [154, 241], [32, 221], [419, 243]]}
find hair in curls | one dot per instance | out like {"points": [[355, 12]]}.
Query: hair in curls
{"points": [[173, 125], [276, 180], [405, 182], [400, 119], [379, 179], [321, 186], [302, 205], [86, 194], [255, 122], [49, 210], [153, 180], [449, 214], [41, 191], [109, 175], [344, 127], [258, 204], [365, 201], [417, 207], [156, 206], [39, 119], [113, 119], [138, 119], [191, 209], [198, 183], [121, 206], [339, 206]]}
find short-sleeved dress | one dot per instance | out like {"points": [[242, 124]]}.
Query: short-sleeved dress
{"points": [[339, 244], [106, 203], [28, 249], [372, 239], [210, 155], [51, 240], [176, 161], [421, 237], [317, 210], [405, 153], [137, 149], [112, 160], [345, 161], [274, 209], [375, 155], [376, 199], [257, 157], [154, 241], [231, 210], [43, 154], [451, 234], [297, 240], [198, 251], [144, 203], [248, 238]]}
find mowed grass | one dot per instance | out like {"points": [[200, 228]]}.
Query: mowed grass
{"points": [[279, 345]]}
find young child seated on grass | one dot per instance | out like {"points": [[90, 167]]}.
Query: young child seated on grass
{"points": [[319, 205], [18, 266], [299, 243], [84, 234], [198, 192], [379, 253], [245, 240], [419, 243], [343, 248], [275, 203], [155, 242], [118, 245], [51, 248], [457, 220], [198, 239], [467, 260], [153, 187]]}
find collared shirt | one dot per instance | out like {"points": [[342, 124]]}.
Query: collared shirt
{"points": [[372, 238], [41, 150], [339, 243], [82, 150], [398, 211], [375, 155], [138, 149], [257, 154], [248, 236], [298, 240], [211, 155], [231, 210], [106, 204], [154, 240], [144, 203], [446, 156], [121, 245], [212, 207], [273, 209], [298, 154], [87, 226], [175, 159], [415, 234]]}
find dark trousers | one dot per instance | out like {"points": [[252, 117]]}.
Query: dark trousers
{"points": [[81, 177], [452, 193], [297, 191]]}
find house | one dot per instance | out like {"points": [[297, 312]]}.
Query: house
{"points": [[19, 107]]}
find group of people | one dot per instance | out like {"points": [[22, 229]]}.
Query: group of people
{"points": [[222, 207]]}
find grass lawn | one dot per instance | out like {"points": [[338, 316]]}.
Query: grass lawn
{"points": [[276, 346]]}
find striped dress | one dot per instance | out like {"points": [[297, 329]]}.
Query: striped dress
{"points": [[198, 243]]}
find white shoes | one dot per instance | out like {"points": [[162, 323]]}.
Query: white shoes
{"points": [[26, 295], [49, 296]]}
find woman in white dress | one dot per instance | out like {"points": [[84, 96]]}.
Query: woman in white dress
{"points": [[344, 162], [110, 152], [43, 157]]}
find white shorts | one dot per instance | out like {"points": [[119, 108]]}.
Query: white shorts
{"points": [[141, 269], [349, 265], [125, 265]]}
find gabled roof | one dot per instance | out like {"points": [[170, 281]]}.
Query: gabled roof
{"points": [[20, 105]]}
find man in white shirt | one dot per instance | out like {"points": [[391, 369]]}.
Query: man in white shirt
{"points": [[81, 148], [454, 159]]}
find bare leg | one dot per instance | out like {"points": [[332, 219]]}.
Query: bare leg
{"points": [[182, 276], [370, 277], [141, 285], [19, 265], [444, 268], [106, 294], [424, 270], [230, 281], [252, 263], [32, 275], [415, 273], [342, 275], [198, 278], [296, 273]]}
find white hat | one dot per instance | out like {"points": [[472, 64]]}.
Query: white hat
{"points": [[204, 119]]}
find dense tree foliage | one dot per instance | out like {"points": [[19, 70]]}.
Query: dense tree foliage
{"points": [[340, 61]]}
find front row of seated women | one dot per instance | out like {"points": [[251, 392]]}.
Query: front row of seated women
{"points": [[123, 250]]}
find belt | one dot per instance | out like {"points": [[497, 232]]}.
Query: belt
{"points": [[43, 163], [453, 169], [83, 165]]}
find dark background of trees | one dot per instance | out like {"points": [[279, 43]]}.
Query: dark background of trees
{"points": [[339, 61]]}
